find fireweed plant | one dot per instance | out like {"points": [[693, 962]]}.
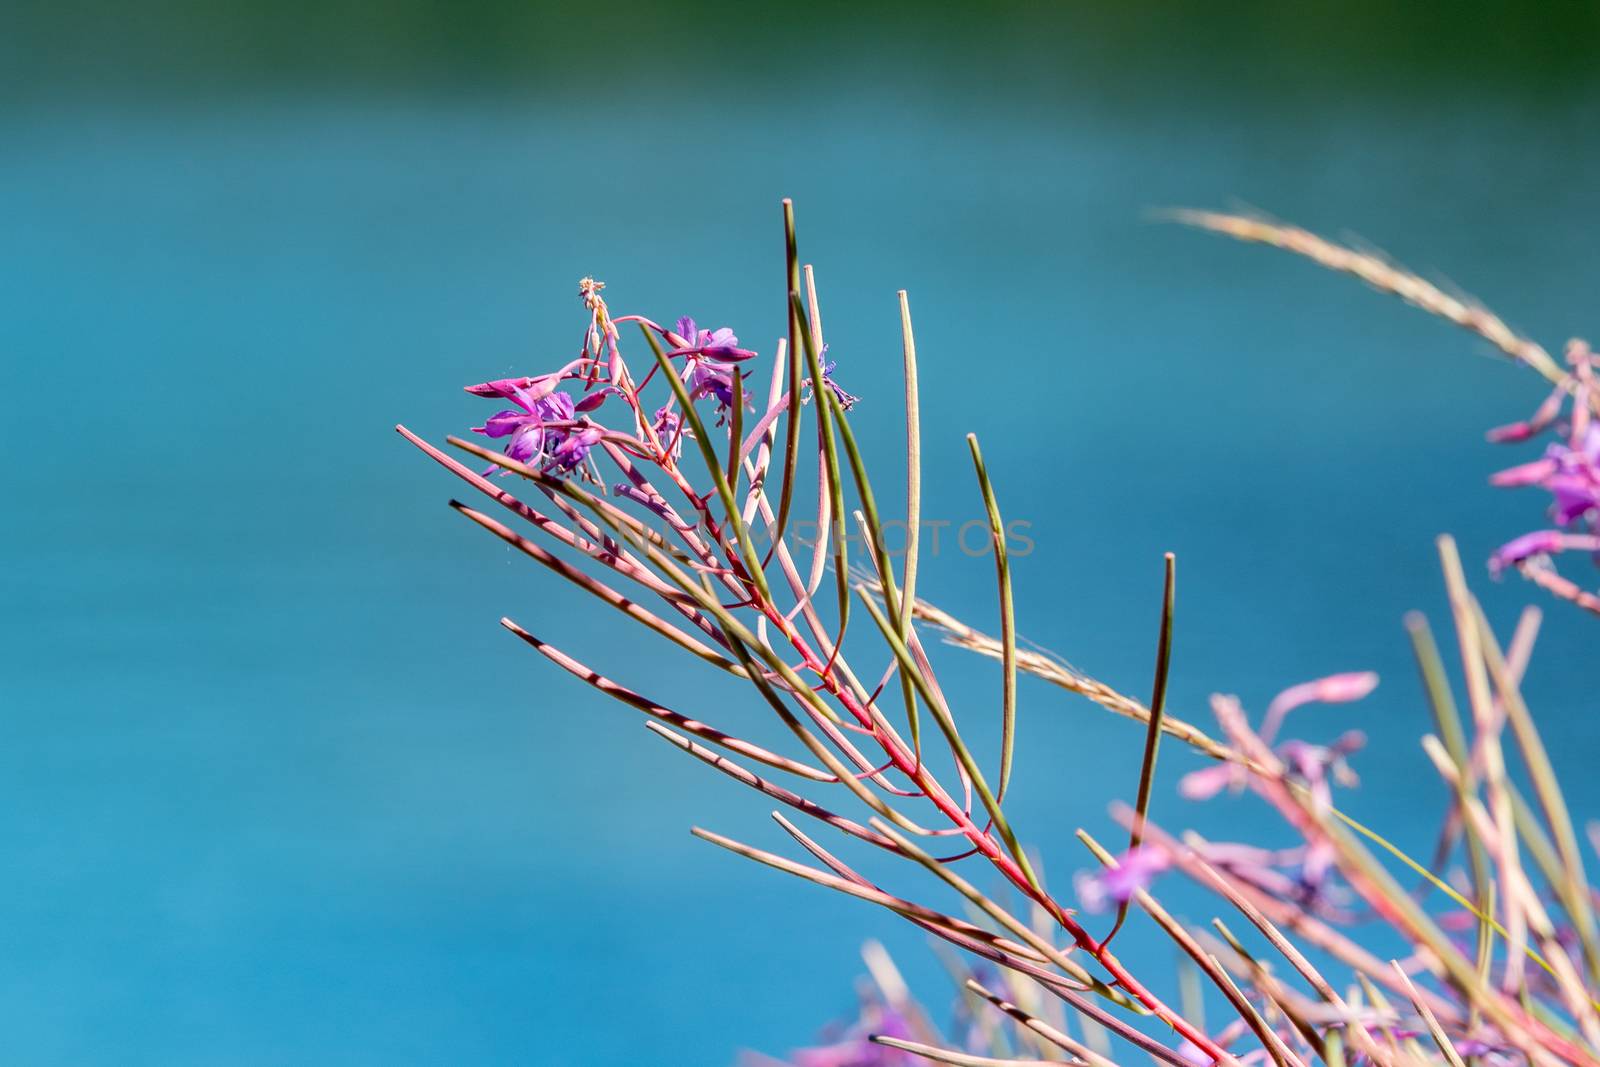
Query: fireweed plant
{"points": [[664, 488], [1569, 470]]}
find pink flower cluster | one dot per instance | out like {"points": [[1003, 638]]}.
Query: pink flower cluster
{"points": [[1569, 470]]}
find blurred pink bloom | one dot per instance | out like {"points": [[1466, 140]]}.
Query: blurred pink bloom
{"points": [[1569, 470], [1334, 689], [1524, 474], [719, 344], [1209, 781], [1134, 870], [1540, 543]]}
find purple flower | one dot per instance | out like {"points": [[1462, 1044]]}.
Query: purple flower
{"points": [[1317, 767], [719, 344], [1209, 781], [1478, 1048], [1317, 763], [574, 448], [1576, 495], [714, 380], [846, 400], [1313, 762], [1569, 470], [668, 427], [1589, 443], [1525, 474], [1537, 543], [1334, 689], [1134, 870], [526, 425], [708, 379], [539, 428]]}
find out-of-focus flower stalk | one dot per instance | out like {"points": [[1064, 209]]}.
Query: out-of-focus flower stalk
{"points": [[1569, 469]]}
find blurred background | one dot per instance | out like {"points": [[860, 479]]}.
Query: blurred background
{"points": [[274, 786]]}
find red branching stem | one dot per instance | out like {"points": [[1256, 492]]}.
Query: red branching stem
{"points": [[828, 666], [906, 762]]}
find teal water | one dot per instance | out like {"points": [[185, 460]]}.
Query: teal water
{"points": [[276, 788]]}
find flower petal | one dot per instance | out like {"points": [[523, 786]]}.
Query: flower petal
{"points": [[502, 423]]}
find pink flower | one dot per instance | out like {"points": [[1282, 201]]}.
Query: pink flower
{"points": [[719, 344], [1133, 870], [1334, 689], [1540, 543], [1569, 470], [1313, 762], [1525, 474], [1209, 781], [540, 428]]}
